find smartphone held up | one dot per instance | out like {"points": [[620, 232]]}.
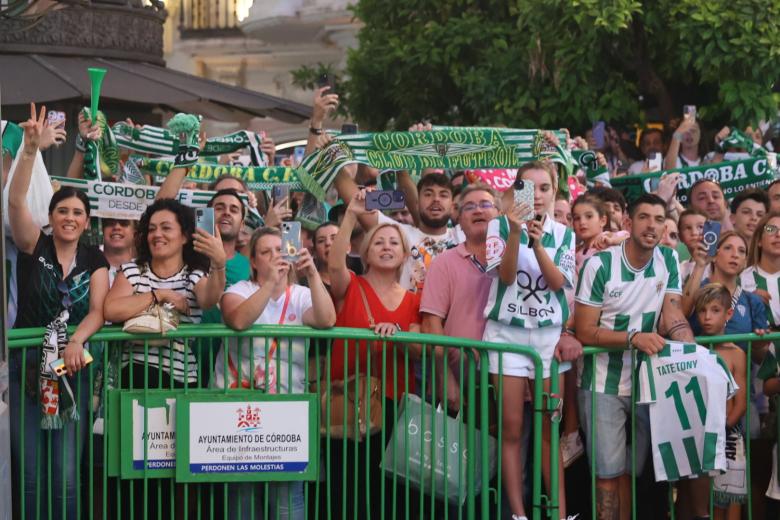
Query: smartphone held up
{"points": [[204, 219]]}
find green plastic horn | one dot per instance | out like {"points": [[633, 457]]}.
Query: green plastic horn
{"points": [[96, 77]]}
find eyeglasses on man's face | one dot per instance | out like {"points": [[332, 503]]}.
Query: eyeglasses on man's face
{"points": [[472, 206]]}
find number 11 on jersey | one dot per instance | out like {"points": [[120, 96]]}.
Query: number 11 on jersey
{"points": [[691, 388]]}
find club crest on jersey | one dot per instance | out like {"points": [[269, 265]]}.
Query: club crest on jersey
{"points": [[494, 247], [659, 287]]}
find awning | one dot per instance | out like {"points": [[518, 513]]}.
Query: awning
{"points": [[46, 78]]}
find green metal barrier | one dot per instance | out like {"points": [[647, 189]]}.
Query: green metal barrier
{"points": [[348, 485], [748, 339]]}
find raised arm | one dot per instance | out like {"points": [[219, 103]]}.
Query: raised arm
{"points": [[322, 313], [186, 157], [87, 132], [409, 189], [337, 259], [24, 230], [507, 270], [693, 282], [209, 290], [347, 188], [323, 104]]}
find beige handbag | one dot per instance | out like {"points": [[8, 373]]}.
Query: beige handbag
{"points": [[157, 319]]}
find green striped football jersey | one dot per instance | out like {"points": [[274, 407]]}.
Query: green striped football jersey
{"points": [[629, 299], [529, 302], [754, 278], [686, 387]]}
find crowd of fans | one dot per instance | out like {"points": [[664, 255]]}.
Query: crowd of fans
{"points": [[588, 271]]}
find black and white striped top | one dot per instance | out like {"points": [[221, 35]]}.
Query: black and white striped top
{"points": [[143, 280]]}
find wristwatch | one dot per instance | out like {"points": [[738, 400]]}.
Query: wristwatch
{"points": [[315, 131]]}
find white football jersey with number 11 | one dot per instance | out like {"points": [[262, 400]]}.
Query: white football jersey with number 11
{"points": [[686, 387]]}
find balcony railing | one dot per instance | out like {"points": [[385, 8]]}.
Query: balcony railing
{"points": [[210, 18]]}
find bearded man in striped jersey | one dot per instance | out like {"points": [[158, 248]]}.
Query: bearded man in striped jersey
{"points": [[628, 299]]}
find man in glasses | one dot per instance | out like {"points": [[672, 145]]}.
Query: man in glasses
{"points": [[118, 243], [458, 287]]}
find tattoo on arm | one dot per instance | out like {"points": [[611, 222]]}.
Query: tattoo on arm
{"points": [[680, 331], [607, 504]]}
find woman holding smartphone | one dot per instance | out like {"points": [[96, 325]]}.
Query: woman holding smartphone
{"points": [[527, 306]]}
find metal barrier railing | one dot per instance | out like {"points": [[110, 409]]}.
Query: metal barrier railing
{"points": [[745, 340], [73, 473], [74, 481]]}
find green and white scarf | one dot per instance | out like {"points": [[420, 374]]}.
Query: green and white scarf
{"points": [[733, 177], [256, 177], [587, 162], [158, 141], [443, 147], [101, 158], [738, 139]]}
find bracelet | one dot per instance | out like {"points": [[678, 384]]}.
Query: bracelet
{"points": [[315, 131], [568, 331], [678, 136], [75, 341], [212, 268], [631, 335]]}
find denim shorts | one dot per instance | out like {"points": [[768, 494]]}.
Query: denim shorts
{"points": [[613, 433]]}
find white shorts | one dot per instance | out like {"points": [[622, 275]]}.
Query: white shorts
{"points": [[542, 340]]}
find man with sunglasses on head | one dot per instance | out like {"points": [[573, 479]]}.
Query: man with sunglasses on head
{"points": [[118, 243]]}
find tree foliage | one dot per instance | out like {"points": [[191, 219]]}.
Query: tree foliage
{"points": [[554, 63]]}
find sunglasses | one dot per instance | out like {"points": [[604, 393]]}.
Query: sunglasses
{"points": [[65, 291], [472, 206], [111, 222]]}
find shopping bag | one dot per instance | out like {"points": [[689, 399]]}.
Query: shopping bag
{"points": [[434, 467]]}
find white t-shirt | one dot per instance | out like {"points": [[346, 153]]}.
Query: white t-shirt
{"points": [[687, 162], [424, 248], [636, 167], [686, 387], [286, 358]]}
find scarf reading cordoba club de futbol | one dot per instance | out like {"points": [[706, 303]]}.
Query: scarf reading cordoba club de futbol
{"points": [[453, 148]]}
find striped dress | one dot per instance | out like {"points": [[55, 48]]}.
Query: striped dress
{"points": [[178, 360]]}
